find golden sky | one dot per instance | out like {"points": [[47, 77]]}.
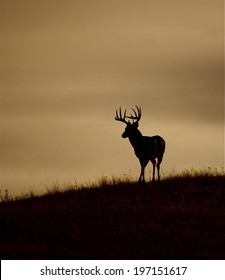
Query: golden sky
{"points": [[66, 66]]}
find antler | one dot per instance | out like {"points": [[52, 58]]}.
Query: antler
{"points": [[137, 115], [119, 116]]}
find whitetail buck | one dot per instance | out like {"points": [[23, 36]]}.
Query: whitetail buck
{"points": [[146, 148]]}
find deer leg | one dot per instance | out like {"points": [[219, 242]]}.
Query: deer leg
{"points": [[142, 175], [158, 166], [153, 173], [158, 169]]}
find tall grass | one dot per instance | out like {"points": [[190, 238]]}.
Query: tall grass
{"points": [[182, 217], [107, 181]]}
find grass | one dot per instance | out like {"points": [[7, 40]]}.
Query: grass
{"points": [[182, 217]]}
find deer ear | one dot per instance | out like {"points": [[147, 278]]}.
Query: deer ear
{"points": [[136, 124]]}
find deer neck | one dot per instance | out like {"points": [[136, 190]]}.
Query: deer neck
{"points": [[135, 138]]}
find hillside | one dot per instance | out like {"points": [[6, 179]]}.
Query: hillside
{"points": [[183, 217]]}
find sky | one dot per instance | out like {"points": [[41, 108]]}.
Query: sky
{"points": [[66, 66]]}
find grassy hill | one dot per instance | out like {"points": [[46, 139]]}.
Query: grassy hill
{"points": [[183, 217]]}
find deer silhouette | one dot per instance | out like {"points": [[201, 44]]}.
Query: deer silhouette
{"points": [[146, 148]]}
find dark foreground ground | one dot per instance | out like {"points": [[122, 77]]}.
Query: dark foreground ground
{"points": [[180, 218]]}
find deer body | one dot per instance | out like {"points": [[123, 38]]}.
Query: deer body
{"points": [[146, 148]]}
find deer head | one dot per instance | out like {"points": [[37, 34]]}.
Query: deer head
{"points": [[131, 128]]}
